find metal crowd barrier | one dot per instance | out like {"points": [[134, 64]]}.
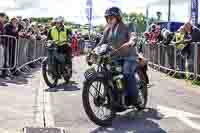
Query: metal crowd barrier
{"points": [[197, 59], [85, 45], [8, 52], [1, 55], [30, 50], [18, 53], [81, 45], [172, 60]]}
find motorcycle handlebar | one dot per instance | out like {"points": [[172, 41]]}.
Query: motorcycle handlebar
{"points": [[54, 42]]}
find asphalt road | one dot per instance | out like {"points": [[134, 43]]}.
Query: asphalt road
{"points": [[173, 106], [168, 100]]}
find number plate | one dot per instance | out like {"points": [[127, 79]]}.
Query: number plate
{"points": [[89, 73], [43, 130]]}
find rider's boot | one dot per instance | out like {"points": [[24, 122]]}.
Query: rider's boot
{"points": [[131, 100]]}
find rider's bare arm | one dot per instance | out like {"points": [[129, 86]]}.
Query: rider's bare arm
{"points": [[103, 39]]}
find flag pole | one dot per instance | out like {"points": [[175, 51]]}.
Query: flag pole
{"points": [[169, 13]]}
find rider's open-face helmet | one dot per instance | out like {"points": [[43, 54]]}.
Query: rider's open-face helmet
{"points": [[113, 11], [59, 20]]}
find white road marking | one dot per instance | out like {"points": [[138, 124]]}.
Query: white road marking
{"points": [[49, 119], [44, 106], [73, 94], [181, 115], [39, 112]]}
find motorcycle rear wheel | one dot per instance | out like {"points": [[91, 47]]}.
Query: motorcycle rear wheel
{"points": [[45, 76], [143, 91], [67, 75]]}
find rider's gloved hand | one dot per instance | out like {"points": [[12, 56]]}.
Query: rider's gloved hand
{"points": [[132, 40], [113, 51]]}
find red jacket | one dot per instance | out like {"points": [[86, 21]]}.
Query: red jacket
{"points": [[1, 28], [74, 43]]}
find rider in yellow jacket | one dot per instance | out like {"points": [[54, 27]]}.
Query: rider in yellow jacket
{"points": [[59, 34]]}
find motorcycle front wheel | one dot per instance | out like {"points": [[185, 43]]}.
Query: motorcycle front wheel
{"points": [[49, 78], [102, 100]]}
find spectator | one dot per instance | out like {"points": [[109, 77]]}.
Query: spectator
{"points": [[2, 20], [21, 29], [188, 50], [154, 33], [28, 29], [11, 29], [165, 38], [179, 46], [41, 28], [26, 20], [98, 38], [53, 22], [45, 31], [20, 25], [74, 44], [41, 31], [7, 19]]}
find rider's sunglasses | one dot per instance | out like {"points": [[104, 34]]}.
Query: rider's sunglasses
{"points": [[110, 18], [57, 23]]}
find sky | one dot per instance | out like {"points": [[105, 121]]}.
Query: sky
{"points": [[74, 10]]}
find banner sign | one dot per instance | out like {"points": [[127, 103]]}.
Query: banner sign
{"points": [[89, 12], [194, 11]]}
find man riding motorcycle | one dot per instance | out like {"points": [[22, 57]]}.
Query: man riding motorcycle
{"points": [[59, 34], [117, 34]]}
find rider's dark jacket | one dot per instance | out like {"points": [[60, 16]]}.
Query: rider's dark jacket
{"points": [[116, 36]]}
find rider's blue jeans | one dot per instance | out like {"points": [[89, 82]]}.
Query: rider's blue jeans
{"points": [[129, 66]]}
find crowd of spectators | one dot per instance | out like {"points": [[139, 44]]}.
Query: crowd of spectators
{"points": [[167, 41], [17, 27], [21, 27]]}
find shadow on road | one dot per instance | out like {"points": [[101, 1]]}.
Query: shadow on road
{"points": [[20, 79], [135, 122], [71, 86]]}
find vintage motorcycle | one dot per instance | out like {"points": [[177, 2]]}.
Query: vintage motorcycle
{"points": [[54, 66], [108, 84]]}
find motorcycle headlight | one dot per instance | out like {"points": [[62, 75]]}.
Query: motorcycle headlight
{"points": [[108, 67], [119, 69]]}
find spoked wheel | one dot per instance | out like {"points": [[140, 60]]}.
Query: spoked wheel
{"points": [[50, 79], [143, 92], [97, 102]]}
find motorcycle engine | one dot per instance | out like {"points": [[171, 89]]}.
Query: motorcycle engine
{"points": [[120, 82]]}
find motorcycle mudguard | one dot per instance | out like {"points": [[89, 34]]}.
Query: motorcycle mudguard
{"points": [[89, 75]]}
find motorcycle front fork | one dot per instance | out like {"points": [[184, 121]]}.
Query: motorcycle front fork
{"points": [[121, 99], [57, 70]]}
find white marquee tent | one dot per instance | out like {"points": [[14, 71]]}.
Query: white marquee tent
{"points": [[74, 10]]}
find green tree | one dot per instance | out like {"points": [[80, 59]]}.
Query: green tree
{"points": [[138, 19], [99, 28]]}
